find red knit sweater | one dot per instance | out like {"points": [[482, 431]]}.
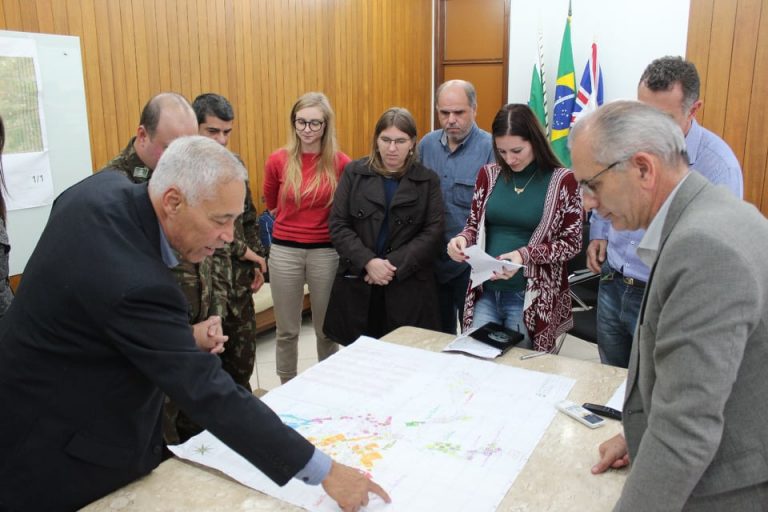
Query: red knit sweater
{"points": [[307, 224]]}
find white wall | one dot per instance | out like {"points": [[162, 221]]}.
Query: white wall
{"points": [[629, 35]]}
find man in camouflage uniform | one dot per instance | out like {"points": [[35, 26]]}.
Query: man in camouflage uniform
{"points": [[164, 118], [215, 118]]}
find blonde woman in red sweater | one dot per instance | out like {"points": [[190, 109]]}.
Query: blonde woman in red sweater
{"points": [[299, 182]]}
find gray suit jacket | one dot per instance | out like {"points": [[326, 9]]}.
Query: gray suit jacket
{"points": [[695, 415]]}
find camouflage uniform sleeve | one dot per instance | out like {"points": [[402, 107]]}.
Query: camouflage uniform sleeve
{"points": [[251, 225], [221, 279]]}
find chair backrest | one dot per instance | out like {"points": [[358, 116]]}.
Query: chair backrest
{"points": [[584, 287]]}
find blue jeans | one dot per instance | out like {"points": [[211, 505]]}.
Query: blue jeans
{"points": [[618, 306], [504, 308]]}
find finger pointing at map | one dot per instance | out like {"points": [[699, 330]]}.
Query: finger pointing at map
{"points": [[350, 488]]}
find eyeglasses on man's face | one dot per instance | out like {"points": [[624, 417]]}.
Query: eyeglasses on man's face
{"points": [[587, 186], [314, 124], [386, 141]]}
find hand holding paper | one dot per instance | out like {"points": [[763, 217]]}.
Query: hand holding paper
{"points": [[484, 265]]}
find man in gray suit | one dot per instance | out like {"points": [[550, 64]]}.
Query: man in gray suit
{"points": [[695, 415]]}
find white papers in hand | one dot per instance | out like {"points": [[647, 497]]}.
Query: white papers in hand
{"points": [[484, 265]]}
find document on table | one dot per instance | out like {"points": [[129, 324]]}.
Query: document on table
{"points": [[469, 345], [484, 265], [617, 400], [437, 432]]}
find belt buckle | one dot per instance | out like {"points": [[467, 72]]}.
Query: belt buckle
{"points": [[631, 281]]}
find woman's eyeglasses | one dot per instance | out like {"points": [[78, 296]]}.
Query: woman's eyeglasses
{"points": [[314, 124]]}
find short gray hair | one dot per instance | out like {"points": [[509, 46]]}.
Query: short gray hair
{"points": [[469, 90], [620, 129], [196, 165]]}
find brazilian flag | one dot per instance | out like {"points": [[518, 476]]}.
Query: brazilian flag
{"points": [[565, 97]]}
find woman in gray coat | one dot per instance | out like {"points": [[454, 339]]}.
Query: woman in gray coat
{"points": [[386, 224]]}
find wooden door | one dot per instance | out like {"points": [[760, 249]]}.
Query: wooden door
{"points": [[472, 43]]}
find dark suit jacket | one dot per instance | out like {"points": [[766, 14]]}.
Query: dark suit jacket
{"points": [[695, 417], [97, 334]]}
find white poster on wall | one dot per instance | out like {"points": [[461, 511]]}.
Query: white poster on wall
{"points": [[26, 162]]}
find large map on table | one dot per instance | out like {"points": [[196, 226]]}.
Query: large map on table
{"points": [[438, 431]]}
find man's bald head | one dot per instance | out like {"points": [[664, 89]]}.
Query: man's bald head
{"points": [[164, 118]]}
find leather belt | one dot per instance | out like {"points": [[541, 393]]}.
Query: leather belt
{"points": [[631, 281]]}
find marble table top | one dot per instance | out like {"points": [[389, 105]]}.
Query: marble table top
{"points": [[556, 477]]}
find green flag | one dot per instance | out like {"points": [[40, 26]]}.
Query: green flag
{"points": [[565, 97], [536, 99]]}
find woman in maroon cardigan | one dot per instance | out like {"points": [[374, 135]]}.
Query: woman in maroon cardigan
{"points": [[531, 216]]}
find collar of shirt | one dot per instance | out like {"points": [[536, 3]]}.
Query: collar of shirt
{"points": [[166, 252], [692, 141], [444, 138], [648, 249]]}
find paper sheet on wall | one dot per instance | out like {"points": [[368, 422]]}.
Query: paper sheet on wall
{"points": [[438, 432], [26, 162]]}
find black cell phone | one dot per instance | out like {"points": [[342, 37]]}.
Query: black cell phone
{"points": [[608, 412], [497, 336]]}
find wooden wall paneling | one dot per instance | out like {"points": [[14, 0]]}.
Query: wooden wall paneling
{"points": [[73, 22], [343, 79], [91, 67], [273, 72], [130, 101], [186, 65], [366, 65], [247, 112], [141, 55], [741, 73], [697, 47], [112, 30], [242, 37], [230, 34], [118, 61], [174, 47], [44, 11], [366, 56], [11, 15], [113, 141], [756, 158], [201, 50], [164, 62], [196, 44], [209, 50], [720, 53], [152, 79], [29, 18], [261, 110], [59, 13]]}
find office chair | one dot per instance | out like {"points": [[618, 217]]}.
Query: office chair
{"points": [[583, 284]]}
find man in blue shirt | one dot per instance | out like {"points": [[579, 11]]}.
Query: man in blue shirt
{"points": [[456, 152], [670, 84]]}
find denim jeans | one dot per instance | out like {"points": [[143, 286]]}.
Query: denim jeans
{"points": [[504, 308], [618, 306]]}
